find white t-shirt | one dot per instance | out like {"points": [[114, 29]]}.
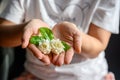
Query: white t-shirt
{"points": [[103, 13]]}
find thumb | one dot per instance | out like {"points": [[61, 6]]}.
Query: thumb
{"points": [[77, 42], [25, 39]]}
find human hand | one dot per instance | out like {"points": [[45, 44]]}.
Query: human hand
{"points": [[32, 29], [69, 33]]}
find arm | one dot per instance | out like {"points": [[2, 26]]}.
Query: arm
{"points": [[95, 41], [10, 33], [90, 44]]}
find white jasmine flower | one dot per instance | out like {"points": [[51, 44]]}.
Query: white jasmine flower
{"points": [[56, 46], [44, 46]]}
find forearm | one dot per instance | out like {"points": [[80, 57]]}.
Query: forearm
{"points": [[11, 35], [95, 41], [91, 46]]}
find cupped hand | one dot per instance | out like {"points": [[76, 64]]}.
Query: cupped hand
{"points": [[30, 29], [69, 33]]}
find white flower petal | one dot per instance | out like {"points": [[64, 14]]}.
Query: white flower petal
{"points": [[57, 46], [45, 46]]}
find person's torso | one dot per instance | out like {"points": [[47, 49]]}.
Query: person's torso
{"points": [[79, 12]]}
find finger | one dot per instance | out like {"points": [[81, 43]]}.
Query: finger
{"points": [[36, 51], [50, 56], [77, 42], [55, 57], [110, 76], [45, 59], [60, 60], [68, 56], [26, 37]]}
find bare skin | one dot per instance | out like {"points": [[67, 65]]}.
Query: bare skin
{"points": [[12, 35], [97, 40], [110, 76]]}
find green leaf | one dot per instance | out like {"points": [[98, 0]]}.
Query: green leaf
{"points": [[66, 46], [35, 40], [46, 33]]}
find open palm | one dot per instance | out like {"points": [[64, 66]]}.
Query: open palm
{"points": [[32, 29], [69, 33]]}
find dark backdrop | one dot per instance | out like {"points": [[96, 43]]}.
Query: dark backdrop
{"points": [[113, 55]]}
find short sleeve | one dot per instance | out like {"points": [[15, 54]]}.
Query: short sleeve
{"points": [[107, 15], [14, 11]]}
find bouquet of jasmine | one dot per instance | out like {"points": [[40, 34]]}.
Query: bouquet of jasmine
{"points": [[47, 43]]}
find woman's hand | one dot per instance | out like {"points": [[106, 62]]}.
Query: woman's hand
{"points": [[32, 29], [69, 33]]}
